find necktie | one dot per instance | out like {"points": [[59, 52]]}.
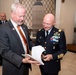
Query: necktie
{"points": [[3, 22], [46, 34], [24, 39]]}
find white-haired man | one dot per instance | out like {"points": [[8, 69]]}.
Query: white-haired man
{"points": [[12, 44]]}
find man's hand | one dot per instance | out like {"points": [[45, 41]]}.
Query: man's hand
{"points": [[31, 61]]}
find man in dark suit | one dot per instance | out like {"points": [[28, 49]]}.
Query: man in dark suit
{"points": [[54, 43], [12, 45], [2, 18]]}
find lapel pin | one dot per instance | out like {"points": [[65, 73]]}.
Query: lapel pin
{"points": [[13, 28]]}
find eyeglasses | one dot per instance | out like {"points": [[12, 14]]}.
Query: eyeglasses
{"points": [[46, 23]]}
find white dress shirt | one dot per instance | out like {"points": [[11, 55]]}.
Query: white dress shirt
{"points": [[15, 26]]}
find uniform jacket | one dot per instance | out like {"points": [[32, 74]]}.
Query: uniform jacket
{"points": [[11, 49], [54, 44]]}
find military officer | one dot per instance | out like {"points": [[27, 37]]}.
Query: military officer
{"points": [[54, 42]]}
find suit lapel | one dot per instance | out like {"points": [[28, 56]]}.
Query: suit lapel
{"points": [[51, 33], [13, 30], [43, 34]]}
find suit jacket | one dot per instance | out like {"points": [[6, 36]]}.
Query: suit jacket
{"points": [[11, 49], [54, 44], [0, 55], [1, 21]]}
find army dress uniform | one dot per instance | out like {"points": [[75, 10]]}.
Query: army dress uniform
{"points": [[54, 44]]}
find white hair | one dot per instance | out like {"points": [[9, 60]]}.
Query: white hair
{"points": [[14, 6]]}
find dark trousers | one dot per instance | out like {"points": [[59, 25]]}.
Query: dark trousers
{"points": [[26, 72], [49, 73], [44, 73], [0, 60]]}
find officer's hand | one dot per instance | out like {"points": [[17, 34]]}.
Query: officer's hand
{"points": [[48, 57]]}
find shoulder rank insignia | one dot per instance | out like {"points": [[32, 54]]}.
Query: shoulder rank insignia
{"points": [[60, 55], [59, 30], [39, 29]]}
